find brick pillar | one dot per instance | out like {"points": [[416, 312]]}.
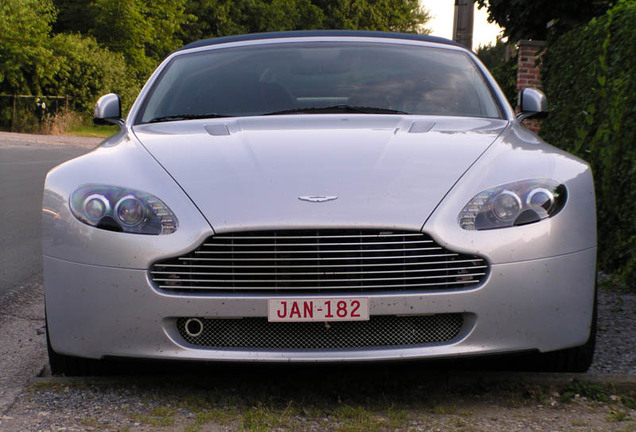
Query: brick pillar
{"points": [[529, 71]]}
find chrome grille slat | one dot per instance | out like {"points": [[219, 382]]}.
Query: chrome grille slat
{"points": [[322, 280], [324, 259], [326, 288], [321, 250], [320, 266], [310, 244], [313, 273], [294, 237], [314, 261]]}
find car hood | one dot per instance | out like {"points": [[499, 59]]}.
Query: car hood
{"points": [[386, 171]]}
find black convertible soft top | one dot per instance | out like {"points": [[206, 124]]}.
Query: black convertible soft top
{"points": [[318, 33]]}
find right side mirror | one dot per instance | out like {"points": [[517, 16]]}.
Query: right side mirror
{"points": [[533, 104], [108, 110]]}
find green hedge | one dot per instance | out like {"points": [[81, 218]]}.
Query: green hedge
{"points": [[84, 70], [589, 76]]}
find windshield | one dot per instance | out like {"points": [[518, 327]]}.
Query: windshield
{"points": [[319, 77]]}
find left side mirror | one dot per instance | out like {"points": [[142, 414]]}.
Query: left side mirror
{"points": [[533, 104], [108, 110]]}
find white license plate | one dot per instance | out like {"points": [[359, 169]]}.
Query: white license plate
{"points": [[318, 309]]}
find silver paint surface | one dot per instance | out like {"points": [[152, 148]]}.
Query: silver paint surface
{"points": [[388, 172]]}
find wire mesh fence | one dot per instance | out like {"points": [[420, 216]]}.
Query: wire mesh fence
{"points": [[27, 113]]}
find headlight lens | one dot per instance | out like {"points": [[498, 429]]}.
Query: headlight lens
{"points": [[513, 204], [506, 206], [124, 210], [130, 211], [96, 207]]}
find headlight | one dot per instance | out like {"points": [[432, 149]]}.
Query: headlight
{"points": [[124, 210], [512, 204]]}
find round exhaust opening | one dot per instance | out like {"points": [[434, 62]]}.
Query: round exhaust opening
{"points": [[193, 327]]}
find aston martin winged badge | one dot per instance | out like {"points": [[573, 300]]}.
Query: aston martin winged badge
{"points": [[318, 198]]}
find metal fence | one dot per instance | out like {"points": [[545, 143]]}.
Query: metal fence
{"points": [[27, 112]]}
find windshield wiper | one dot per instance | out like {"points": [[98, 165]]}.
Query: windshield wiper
{"points": [[332, 109], [337, 109], [187, 117]]}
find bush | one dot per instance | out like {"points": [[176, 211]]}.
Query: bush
{"points": [[61, 123], [24, 31], [84, 70], [34, 62], [589, 76]]}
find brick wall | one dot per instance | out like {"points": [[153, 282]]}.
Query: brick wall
{"points": [[529, 71]]}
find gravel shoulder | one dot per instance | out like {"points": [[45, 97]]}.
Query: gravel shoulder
{"points": [[22, 341], [616, 338], [9, 137], [228, 400]]}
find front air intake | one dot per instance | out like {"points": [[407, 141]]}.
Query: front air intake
{"points": [[318, 261], [379, 332]]}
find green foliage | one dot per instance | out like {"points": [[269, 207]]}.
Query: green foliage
{"points": [[589, 76], [492, 55], [84, 70], [592, 391], [383, 15], [24, 58], [33, 62], [523, 19], [252, 16], [144, 31], [226, 17], [73, 16]]}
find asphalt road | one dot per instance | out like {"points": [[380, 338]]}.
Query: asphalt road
{"points": [[24, 162]]}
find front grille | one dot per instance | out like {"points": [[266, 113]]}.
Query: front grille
{"points": [[379, 331], [318, 261]]}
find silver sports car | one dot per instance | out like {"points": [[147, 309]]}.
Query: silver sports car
{"points": [[320, 197]]}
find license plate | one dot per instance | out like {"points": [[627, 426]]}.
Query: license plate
{"points": [[318, 309]]}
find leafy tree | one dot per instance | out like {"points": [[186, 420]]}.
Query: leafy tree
{"points": [[164, 19], [120, 25], [73, 16], [34, 62], [492, 55], [144, 31], [383, 15], [227, 17], [84, 70], [279, 15], [24, 57], [524, 19]]}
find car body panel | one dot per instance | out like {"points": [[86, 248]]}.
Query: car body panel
{"points": [[520, 155], [516, 310], [65, 237], [242, 180]]}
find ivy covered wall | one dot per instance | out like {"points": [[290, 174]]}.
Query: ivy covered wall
{"points": [[589, 76]]}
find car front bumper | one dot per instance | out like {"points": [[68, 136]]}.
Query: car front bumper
{"points": [[543, 304]]}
